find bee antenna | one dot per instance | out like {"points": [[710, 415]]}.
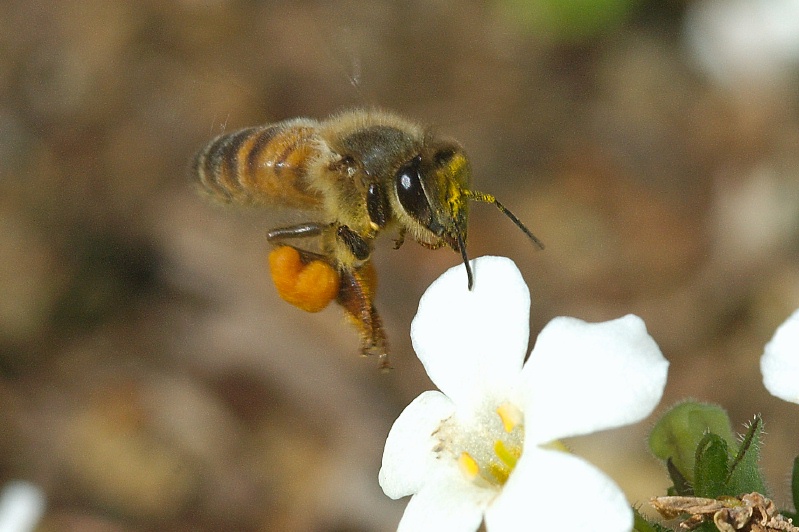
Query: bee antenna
{"points": [[462, 248], [488, 198]]}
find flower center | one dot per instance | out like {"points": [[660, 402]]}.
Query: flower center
{"points": [[487, 450]]}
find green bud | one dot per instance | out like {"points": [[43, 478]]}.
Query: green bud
{"points": [[678, 433]]}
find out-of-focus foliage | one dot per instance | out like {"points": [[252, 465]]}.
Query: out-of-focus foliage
{"points": [[569, 20]]}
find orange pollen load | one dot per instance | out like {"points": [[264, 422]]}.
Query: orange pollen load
{"points": [[310, 286]]}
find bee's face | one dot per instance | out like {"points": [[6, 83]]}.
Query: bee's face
{"points": [[431, 190]]}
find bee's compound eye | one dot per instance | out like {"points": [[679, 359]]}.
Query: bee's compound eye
{"points": [[411, 193], [444, 156]]}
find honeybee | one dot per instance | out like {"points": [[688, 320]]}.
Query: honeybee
{"points": [[356, 174]]}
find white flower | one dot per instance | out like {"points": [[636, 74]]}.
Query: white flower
{"points": [[486, 445], [21, 506], [780, 361], [744, 44]]}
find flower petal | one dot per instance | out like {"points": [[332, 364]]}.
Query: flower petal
{"points": [[473, 340], [583, 377], [780, 361], [554, 490], [21, 506], [408, 458], [446, 506]]}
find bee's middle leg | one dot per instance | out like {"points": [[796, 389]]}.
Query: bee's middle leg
{"points": [[357, 244], [303, 230]]}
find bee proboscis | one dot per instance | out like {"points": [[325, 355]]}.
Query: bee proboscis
{"points": [[357, 174]]}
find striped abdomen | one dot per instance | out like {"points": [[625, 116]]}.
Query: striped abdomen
{"points": [[260, 165]]}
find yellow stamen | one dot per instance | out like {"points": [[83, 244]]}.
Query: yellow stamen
{"points": [[468, 466], [510, 416], [509, 457], [499, 472]]}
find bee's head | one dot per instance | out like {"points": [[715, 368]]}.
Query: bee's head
{"points": [[433, 193], [432, 189]]}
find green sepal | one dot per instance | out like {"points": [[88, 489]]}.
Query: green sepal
{"points": [[678, 433], [795, 483], [794, 490], [680, 486], [640, 524], [745, 475], [710, 471]]}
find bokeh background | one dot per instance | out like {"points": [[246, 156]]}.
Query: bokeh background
{"points": [[150, 377]]}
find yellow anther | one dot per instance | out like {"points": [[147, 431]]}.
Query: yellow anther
{"points": [[510, 416], [499, 472], [468, 465], [509, 457]]}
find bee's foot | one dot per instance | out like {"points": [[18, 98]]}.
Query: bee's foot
{"points": [[373, 349], [384, 364]]}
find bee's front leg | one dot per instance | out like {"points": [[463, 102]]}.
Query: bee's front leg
{"points": [[400, 238], [437, 245], [356, 296]]}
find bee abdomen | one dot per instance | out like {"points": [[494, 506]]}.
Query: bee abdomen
{"points": [[265, 164]]}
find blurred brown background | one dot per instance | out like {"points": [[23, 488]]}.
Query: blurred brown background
{"points": [[151, 379]]}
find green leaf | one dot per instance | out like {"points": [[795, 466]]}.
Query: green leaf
{"points": [[711, 472], [676, 435], [745, 475]]}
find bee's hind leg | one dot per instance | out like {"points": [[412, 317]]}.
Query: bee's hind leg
{"points": [[355, 287], [305, 279], [356, 296]]}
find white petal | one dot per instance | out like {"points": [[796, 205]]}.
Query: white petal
{"points": [[408, 458], [583, 377], [446, 507], [470, 341], [21, 506], [780, 361], [553, 490]]}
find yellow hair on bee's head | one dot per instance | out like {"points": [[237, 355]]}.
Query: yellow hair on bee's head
{"points": [[453, 180]]}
